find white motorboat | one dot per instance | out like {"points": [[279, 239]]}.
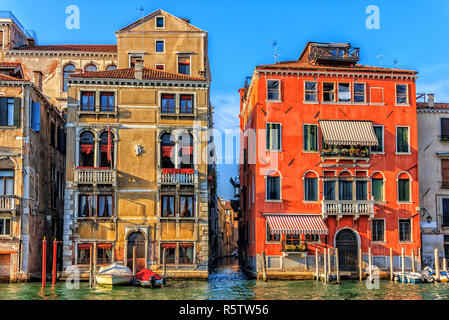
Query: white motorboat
{"points": [[114, 274]]}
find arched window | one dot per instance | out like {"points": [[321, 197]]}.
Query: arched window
{"points": [[273, 185], [111, 67], [186, 151], [87, 151], [403, 187], [310, 186], [377, 186], [167, 149], [107, 150], [68, 70], [90, 67]]}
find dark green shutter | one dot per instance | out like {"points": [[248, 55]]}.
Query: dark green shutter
{"points": [[17, 107], [377, 189], [3, 111]]}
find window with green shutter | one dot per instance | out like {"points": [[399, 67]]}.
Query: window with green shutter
{"points": [[377, 189], [8, 111], [310, 137], [377, 229], [404, 190], [273, 136], [17, 107], [402, 143], [329, 190], [310, 189], [361, 190], [379, 131]]}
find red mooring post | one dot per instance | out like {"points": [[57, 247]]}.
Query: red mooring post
{"points": [[55, 247], [44, 260]]}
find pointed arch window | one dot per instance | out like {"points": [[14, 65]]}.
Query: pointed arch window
{"points": [[67, 71]]}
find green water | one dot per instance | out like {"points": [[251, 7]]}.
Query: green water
{"points": [[229, 283]]}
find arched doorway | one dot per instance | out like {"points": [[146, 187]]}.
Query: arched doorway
{"points": [[346, 243], [136, 239]]}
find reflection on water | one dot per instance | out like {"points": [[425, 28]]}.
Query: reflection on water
{"points": [[227, 282]]}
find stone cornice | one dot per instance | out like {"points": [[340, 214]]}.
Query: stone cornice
{"points": [[138, 83], [78, 54]]}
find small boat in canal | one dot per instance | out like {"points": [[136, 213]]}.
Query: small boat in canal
{"points": [[148, 279], [114, 274]]}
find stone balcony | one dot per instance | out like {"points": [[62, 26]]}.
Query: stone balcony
{"points": [[95, 176], [9, 203], [177, 176], [341, 208]]}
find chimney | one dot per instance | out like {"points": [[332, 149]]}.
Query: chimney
{"points": [[37, 79], [138, 69], [431, 100]]}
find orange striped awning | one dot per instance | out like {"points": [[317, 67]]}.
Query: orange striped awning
{"points": [[348, 132], [296, 224]]}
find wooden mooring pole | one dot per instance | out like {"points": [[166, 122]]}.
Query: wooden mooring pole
{"points": [[403, 265], [55, 250], [264, 266], [370, 265], [94, 263], [336, 265], [329, 260], [325, 265], [413, 260], [134, 264], [44, 262], [437, 265], [90, 267], [317, 267], [360, 264], [163, 261], [391, 264]]}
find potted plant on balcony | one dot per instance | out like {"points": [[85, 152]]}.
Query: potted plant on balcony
{"points": [[300, 249], [364, 152], [344, 152]]}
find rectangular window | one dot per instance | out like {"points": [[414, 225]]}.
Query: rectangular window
{"points": [[184, 65], [133, 58], [292, 239], [444, 129], [7, 112], [10, 112], [446, 212], [107, 102], [405, 230], [5, 226], [160, 46], [379, 131], [167, 103], [83, 256], [401, 94], [344, 92], [272, 237], [273, 136], [328, 92], [186, 208], [345, 190], [104, 205], [361, 190], [359, 92], [404, 190], [377, 189], [52, 134], [186, 103], [159, 22], [311, 91], [310, 137], [402, 139], [170, 253], [312, 237], [185, 253], [377, 231], [273, 188], [445, 173], [273, 90], [87, 101], [6, 182], [167, 206], [311, 189], [329, 190], [104, 253]]}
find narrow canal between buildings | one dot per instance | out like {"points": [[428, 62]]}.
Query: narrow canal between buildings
{"points": [[227, 282]]}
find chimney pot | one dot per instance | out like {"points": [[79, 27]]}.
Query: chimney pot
{"points": [[37, 79], [431, 100], [138, 69]]}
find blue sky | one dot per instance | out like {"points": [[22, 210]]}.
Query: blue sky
{"points": [[413, 32]]}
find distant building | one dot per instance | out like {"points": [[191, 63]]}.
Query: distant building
{"points": [[329, 160], [433, 136], [227, 228]]}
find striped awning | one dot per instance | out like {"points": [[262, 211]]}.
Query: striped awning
{"points": [[296, 224], [348, 132]]}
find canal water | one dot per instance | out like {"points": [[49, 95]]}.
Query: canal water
{"points": [[227, 282]]}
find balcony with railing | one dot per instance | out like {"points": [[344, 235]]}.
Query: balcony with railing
{"points": [[341, 208], [95, 176], [177, 176], [9, 203], [345, 152], [332, 53]]}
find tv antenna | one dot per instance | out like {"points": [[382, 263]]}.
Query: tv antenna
{"points": [[381, 57], [275, 54], [142, 10], [395, 62]]}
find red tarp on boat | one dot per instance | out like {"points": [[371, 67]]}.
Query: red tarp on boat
{"points": [[145, 275]]}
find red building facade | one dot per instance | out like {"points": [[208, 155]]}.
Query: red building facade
{"points": [[328, 160]]}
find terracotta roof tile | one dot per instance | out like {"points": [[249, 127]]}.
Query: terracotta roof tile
{"points": [[9, 64], [437, 105], [74, 47], [296, 65], [128, 73], [4, 77]]}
